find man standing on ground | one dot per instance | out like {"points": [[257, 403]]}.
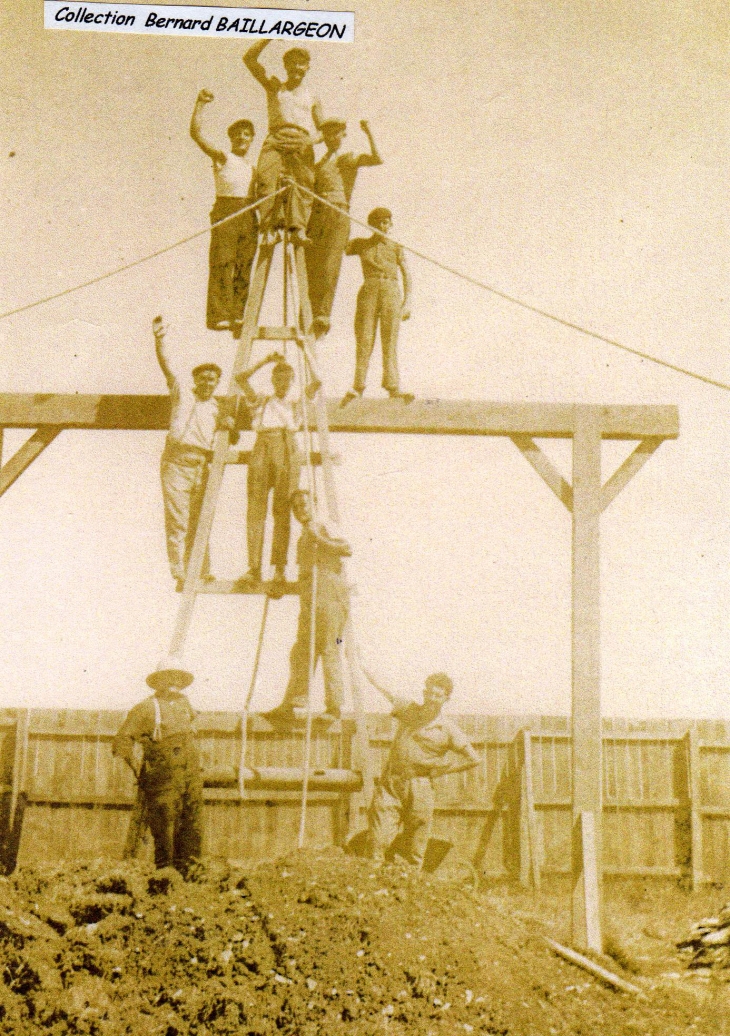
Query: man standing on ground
{"points": [[194, 419], [316, 548], [426, 745], [169, 779], [334, 180], [233, 243], [275, 464], [379, 301], [295, 117]]}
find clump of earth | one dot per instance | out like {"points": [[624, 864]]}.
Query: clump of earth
{"points": [[315, 943]]}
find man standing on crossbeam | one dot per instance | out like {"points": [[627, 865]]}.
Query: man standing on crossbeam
{"points": [[295, 117]]}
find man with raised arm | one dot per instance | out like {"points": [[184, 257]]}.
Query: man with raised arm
{"points": [[233, 243], [275, 463], [195, 416], [295, 117], [169, 777], [318, 548], [379, 302], [426, 745], [334, 181]]}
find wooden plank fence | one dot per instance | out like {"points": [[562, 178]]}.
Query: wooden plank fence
{"points": [[666, 792]]}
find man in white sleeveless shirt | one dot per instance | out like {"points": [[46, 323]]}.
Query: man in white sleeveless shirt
{"points": [[194, 419], [233, 244], [295, 117]]}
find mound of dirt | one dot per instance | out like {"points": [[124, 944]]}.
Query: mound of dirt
{"points": [[310, 944]]}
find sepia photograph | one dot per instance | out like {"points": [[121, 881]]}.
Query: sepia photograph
{"points": [[365, 519]]}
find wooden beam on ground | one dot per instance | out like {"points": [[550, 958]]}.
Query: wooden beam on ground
{"points": [[594, 969], [633, 463], [421, 417], [695, 806], [545, 469], [14, 468], [586, 667]]}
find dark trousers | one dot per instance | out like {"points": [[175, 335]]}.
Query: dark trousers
{"points": [[172, 785], [287, 152], [330, 619], [329, 232], [275, 464], [379, 301], [232, 251]]}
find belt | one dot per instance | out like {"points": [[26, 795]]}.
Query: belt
{"points": [[380, 277], [179, 448], [273, 431]]}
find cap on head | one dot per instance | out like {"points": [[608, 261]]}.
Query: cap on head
{"points": [[333, 124], [377, 214], [207, 367], [238, 126], [169, 674], [440, 680], [294, 55]]}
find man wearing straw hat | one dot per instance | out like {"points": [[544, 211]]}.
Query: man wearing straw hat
{"points": [[169, 778]]}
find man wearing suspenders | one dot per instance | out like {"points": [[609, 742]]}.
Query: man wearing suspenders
{"points": [[169, 778]]}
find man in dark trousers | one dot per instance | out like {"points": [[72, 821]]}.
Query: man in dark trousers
{"points": [[334, 181], [318, 548], [169, 778], [380, 302], [426, 745]]}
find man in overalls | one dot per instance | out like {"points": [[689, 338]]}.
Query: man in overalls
{"points": [[169, 778]]}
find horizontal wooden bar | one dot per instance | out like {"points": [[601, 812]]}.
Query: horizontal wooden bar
{"points": [[277, 334], [421, 417], [240, 586], [643, 872], [244, 457], [720, 812]]}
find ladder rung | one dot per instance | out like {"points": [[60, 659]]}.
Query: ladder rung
{"points": [[240, 586], [278, 334], [244, 457]]}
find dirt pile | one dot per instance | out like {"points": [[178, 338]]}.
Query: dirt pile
{"points": [[708, 944], [311, 944]]}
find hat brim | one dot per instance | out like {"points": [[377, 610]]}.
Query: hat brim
{"points": [[161, 679]]}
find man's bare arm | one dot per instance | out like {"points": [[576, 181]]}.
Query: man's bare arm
{"points": [[158, 330], [458, 759], [407, 284], [243, 377], [374, 157], [388, 695], [196, 132], [317, 115], [257, 70]]}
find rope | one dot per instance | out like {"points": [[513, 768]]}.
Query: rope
{"points": [[249, 696], [677, 368], [138, 262]]}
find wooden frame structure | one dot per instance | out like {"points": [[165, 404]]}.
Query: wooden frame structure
{"points": [[588, 496]]}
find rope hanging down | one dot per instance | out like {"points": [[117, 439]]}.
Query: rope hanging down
{"points": [[527, 305], [139, 262]]}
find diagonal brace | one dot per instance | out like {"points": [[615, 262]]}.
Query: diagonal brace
{"points": [[633, 463], [545, 468], [27, 453]]}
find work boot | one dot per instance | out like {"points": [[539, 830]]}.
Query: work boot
{"points": [[252, 577], [281, 716], [350, 396], [405, 397], [277, 587]]}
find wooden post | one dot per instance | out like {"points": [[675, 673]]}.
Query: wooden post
{"points": [[694, 804], [529, 846], [590, 883], [20, 757], [586, 633]]}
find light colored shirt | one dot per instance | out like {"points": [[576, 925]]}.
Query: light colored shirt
{"points": [[176, 717], [291, 108], [193, 422], [379, 258], [272, 412], [419, 741], [233, 177]]}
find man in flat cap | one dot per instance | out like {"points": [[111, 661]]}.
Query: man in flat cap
{"points": [[334, 181], [195, 416], [426, 745], [233, 243], [169, 778], [380, 302]]}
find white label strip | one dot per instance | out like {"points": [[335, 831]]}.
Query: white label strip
{"points": [[223, 22]]}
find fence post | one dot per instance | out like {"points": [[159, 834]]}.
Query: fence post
{"points": [[695, 814], [529, 844]]}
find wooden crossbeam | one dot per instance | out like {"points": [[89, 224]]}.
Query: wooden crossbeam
{"points": [[14, 468], [545, 468], [633, 463], [421, 417]]}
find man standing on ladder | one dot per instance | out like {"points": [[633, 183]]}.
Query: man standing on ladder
{"points": [[379, 301], [329, 612], [295, 117], [275, 464], [194, 418], [334, 181], [426, 745], [233, 244], [170, 781]]}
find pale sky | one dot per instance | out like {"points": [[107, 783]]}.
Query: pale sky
{"points": [[572, 155]]}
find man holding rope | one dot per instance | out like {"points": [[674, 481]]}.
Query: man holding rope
{"points": [[233, 243], [324, 608], [295, 117]]}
